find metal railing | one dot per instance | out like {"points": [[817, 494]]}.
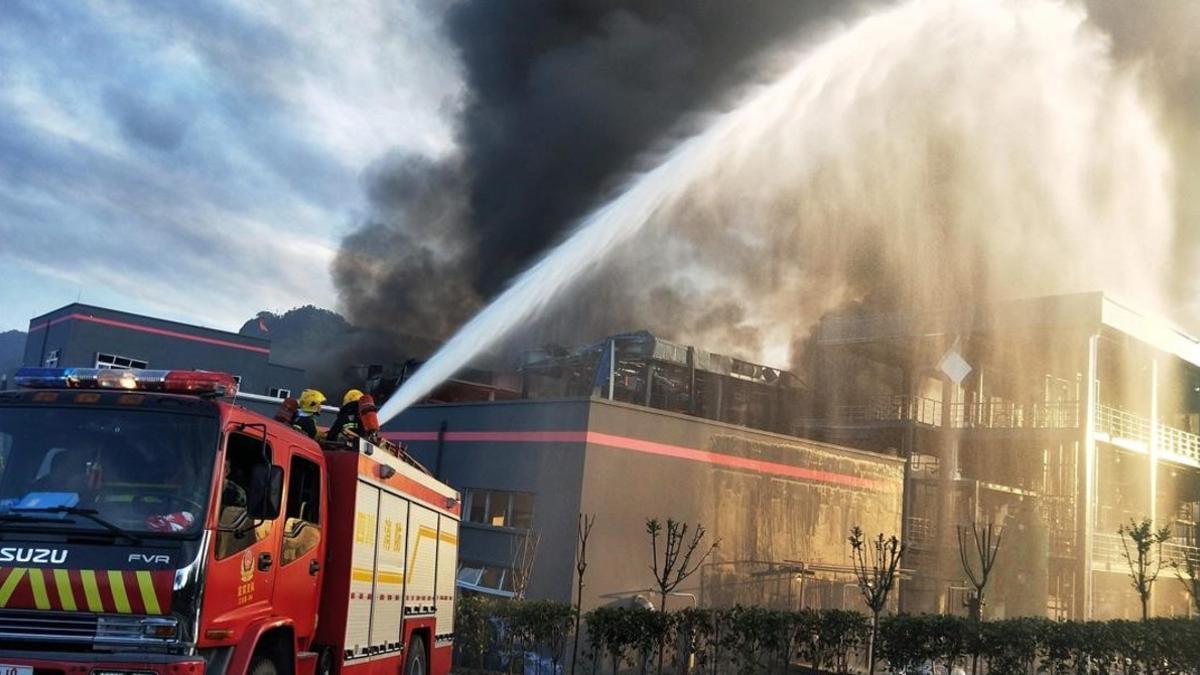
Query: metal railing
{"points": [[989, 415], [924, 466], [920, 531], [1109, 550], [1172, 443], [892, 408], [1062, 542], [1179, 444], [1010, 415], [1122, 424]]}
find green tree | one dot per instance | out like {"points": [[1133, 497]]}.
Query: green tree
{"points": [[1145, 558], [680, 559], [876, 569], [978, 557], [582, 533]]}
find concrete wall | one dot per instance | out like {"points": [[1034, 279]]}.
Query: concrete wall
{"points": [[503, 446], [766, 497]]}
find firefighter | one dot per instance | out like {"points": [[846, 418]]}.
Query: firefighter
{"points": [[347, 417], [309, 408], [68, 473], [232, 492]]}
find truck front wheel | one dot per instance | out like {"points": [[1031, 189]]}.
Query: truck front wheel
{"points": [[263, 665], [414, 663]]}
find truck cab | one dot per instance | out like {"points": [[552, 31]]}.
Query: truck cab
{"points": [[150, 525]]}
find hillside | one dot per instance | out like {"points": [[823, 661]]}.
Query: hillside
{"points": [[328, 347], [12, 351]]}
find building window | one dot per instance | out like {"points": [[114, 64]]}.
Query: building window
{"points": [[277, 392], [499, 508], [302, 529], [235, 531], [114, 362], [482, 575], [52, 358]]}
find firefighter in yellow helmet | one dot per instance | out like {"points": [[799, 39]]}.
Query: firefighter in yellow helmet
{"points": [[347, 417], [308, 410]]}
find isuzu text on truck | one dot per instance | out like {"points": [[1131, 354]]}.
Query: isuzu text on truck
{"points": [[149, 524]]}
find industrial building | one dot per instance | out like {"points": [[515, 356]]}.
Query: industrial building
{"points": [[84, 336], [1060, 417], [586, 442]]}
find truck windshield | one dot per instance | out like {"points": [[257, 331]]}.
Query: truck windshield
{"points": [[140, 471]]}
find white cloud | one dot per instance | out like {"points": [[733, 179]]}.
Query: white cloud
{"points": [[202, 160]]}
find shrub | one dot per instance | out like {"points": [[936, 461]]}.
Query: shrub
{"points": [[759, 640]]}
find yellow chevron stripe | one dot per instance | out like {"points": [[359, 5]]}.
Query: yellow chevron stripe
{"points": [[66, 595], [426, 532], [10, 584], [149, 598], [117, 585], [390, 577], [366, 576], [37, 583], [91, 590]]}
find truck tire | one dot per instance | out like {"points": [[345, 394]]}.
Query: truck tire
{"points": [[324, 662], [263, 665], [416, 663]]}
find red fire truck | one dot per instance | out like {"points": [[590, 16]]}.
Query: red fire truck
{"points": [[149, 524]]}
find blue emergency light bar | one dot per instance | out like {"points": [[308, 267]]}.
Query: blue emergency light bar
{"points": [[134, 379]]}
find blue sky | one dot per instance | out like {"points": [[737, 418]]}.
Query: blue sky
{"points": [[200, 161]]}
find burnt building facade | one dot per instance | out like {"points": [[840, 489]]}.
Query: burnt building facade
{"points": [[646, 370], [1061, 418], [781, 507]]}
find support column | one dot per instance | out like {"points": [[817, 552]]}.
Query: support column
{"points": [[1152, 496], [948, 566], [1089, 476], [1152, 506]]}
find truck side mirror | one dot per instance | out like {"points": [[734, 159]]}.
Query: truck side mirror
{"points": [[265, 495]]}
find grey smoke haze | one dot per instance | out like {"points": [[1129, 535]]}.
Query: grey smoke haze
{"points": [[567, 99]]}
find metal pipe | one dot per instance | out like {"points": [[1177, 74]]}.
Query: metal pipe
{"points": [[259, 398], [691, 364], [612, 366], [441, 446]]}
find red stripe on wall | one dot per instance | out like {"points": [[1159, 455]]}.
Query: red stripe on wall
{"points": [[757, 465], [494, 436], [645, 447], [410, 435], [153, 331]]}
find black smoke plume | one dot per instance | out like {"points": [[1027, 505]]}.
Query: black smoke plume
{"points": [[563, 99]]}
